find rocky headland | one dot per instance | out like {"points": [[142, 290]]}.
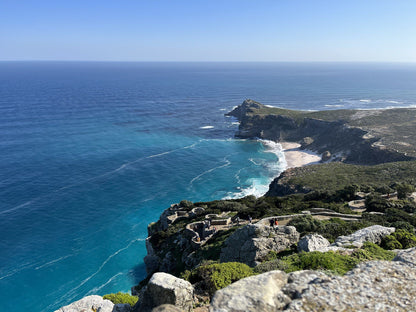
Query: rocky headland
{"points": [[353, 136], [307, 245]]}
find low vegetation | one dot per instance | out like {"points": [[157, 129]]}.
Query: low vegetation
{"points": [[211, 277], [401, 239], [331, 177], [332, 262], [121, 298]]}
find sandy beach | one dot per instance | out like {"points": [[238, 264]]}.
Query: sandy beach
{"points": [[295, 157]]}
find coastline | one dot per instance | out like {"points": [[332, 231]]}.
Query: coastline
{"points": [[295, 157]]}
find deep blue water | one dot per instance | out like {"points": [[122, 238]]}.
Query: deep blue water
{"points": [[93, 152]]}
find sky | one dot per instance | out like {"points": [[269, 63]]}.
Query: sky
{"points": [[209, 30]]}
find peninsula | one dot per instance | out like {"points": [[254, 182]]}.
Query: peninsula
{"points": [[337, 234]]}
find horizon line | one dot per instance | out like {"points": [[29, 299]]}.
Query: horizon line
{"points": [[206, 61]]}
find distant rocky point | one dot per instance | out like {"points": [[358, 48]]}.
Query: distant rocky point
{"points": [[354, 136]]}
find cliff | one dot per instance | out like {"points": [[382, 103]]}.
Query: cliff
{"points": [[354, 136]]}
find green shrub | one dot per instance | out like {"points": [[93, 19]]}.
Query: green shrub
{"points": [[331, 261], [375, 252], [121, 298], [404, 189], [186, 204], [376, 203], [305, 224], [393, 215], [219, 275], [398, 240], [402, 225], [405, 238], [272, 265], [390, 242]]}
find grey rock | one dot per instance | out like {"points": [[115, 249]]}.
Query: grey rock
{"points": [[313, 242], [407, 256], [306, 141], [122, 307], [164, 288], [261, 293], [371, 286], [252, 243], [89, 303], [372, 234], [167, 308], [299, 281], [326, 156]]}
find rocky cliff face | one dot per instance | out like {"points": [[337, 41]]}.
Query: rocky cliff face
{"points": [[253, 242], [336, 135]]}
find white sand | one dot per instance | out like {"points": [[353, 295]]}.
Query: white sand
{"points": [[295, 157]]}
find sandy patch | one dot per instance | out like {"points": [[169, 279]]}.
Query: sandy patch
{"points": [[295, 157]]}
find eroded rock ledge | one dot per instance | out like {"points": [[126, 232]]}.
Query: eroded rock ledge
{"points": [[371, 286]]}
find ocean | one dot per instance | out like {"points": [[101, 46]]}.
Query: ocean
{"points": [[91, 152]]}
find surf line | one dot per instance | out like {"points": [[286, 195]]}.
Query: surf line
{"points": [[227, 163]]}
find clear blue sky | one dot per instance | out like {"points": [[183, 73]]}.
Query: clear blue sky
{"points": [[208, 30]]}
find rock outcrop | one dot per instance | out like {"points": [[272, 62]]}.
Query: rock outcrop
{"points": [[164, 288], [407, 256], [92, 303], [342, 132], [253, 242], [371, 286], [373, 234], [313, 242], [254, 293]]}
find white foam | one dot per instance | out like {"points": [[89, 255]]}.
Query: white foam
{"points": [[96, 289], [223, 109], [259, 187], [365, 101], [52, 262], [206, 127], [334, 105], [19, 206], [256, 188], [254, 162], [83, 282], [227, 163]]}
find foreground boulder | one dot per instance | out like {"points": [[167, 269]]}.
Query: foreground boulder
{"points": [[371, 286], [373, 234], [90, 303], [407, 256], [267, 292], [164, 288], [255, 293], [313, 242], [252, 243]]}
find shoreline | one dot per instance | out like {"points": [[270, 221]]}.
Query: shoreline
{"points": [[295, 157]]}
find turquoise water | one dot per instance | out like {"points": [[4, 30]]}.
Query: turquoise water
{"points": [[93, 152]]}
